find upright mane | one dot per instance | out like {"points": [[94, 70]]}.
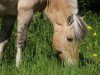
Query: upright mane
{"points": [[79, 26], [74, 6]]}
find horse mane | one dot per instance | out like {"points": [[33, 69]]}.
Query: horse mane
{"points": [[79, 26], [74, 6]]}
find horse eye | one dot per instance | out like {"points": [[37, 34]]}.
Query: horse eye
{"points": [[70, 39]]}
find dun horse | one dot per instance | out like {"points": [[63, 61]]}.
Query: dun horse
{"points": [[69, 29]]}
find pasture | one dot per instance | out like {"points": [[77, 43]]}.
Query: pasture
{"points": [[40, 58]]}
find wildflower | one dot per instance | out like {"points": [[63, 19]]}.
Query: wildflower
{"points": [[89, 28], [94, 55], [94, 34]]}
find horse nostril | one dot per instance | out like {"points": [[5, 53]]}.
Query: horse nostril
{"points": [[70, 39]]}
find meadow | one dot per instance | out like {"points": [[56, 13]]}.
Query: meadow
{"points": [[40, 58]]}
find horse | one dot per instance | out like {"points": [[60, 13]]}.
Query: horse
{"points": [[68, 27]]}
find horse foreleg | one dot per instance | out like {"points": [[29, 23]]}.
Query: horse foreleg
{"points": [[6, 29], [24, 17]]}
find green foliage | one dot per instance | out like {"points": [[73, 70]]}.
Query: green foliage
{"points": [[40, 57], [84, 4]]}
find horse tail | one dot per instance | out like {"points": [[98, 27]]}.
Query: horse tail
{"points": [[79, 27]]}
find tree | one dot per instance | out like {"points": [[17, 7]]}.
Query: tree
{"points": [[93, 5]]}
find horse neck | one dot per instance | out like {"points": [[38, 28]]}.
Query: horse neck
{"points": [[63, 6], [59, 10]]}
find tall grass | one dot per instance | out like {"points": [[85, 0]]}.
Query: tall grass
{"points": [[40, 58]]}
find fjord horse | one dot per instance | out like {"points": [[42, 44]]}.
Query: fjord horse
{"points": [[69, 29]]}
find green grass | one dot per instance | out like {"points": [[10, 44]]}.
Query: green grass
{"points": [[40, 58]]}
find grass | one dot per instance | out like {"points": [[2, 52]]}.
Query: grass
{"points": [[40, 57]]}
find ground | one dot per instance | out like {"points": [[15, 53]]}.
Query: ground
{"points": [[40, 58]]}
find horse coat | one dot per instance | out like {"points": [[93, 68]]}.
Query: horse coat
{"points": [[68, 27]]}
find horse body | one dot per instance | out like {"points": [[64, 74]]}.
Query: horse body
{"points": [[68, 27], [8, 7]]}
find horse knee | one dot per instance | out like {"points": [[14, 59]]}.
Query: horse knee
{"points": [[21, 41]]}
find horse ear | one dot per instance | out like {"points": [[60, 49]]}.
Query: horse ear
{"points": [[81, 17], [70, 20]]}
